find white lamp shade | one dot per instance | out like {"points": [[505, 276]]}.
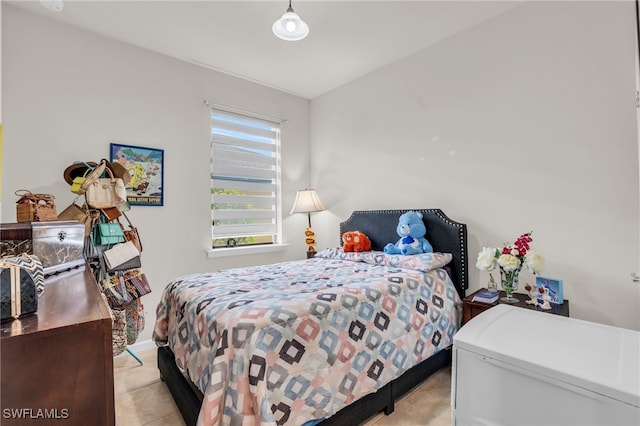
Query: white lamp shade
{"points": [[290, 27], [307, 201]]}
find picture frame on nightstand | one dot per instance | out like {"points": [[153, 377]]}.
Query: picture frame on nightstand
{"points": [[554, 286]]}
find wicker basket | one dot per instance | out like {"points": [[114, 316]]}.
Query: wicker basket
{"points": [[35, 207]]}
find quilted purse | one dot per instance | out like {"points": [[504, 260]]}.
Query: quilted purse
{"points": [[18, 292], [123, 288], [29, 263], [106, 192], [105, 234]]}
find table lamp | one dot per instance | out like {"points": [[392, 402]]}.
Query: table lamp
{"points": [[307, 201]]}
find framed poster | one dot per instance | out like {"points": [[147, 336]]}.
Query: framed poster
{"points": [[146, 168]]}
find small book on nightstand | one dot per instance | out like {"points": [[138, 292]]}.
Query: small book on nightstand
{"points": [[486, 296]]}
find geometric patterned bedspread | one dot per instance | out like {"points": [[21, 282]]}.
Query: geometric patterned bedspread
{"points": [[291, 342]]}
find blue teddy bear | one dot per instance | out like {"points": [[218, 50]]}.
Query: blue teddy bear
{"points": [[412, 231]]}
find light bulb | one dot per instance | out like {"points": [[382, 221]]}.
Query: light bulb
{"points": [[290, 27]]}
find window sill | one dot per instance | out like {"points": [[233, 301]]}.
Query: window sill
{"points": [[239, 251]]}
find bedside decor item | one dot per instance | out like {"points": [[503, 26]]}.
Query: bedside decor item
{"points": [[290, 27], [412, 231], [546, 299], [486, 296], [492, 285], [511, 259], [554, 288], [533, 294], [307, 201], [32, 207]]}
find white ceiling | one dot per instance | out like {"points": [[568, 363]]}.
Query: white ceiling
{"points": [[347, 39]]}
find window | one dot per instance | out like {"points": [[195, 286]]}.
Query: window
{"points": [[245, 174]]}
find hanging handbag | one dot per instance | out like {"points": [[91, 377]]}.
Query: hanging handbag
{"points": [[111, 213], [122, 257], [119, 331], [95, 174], [105, 234], [134, 317], [18, 292], [78, 185], [123, 288], [106, 192], [81, 214], [131, 234]]}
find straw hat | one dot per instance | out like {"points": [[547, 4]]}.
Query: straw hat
{"points": [[119, 171], [77, 169]]}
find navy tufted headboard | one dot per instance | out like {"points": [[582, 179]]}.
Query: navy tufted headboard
{"points": [[444, 234]]}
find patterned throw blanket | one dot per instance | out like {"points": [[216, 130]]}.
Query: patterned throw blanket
{"points": [[291, 342]]}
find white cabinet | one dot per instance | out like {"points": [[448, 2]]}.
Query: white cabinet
{"points": [[513, 366]]}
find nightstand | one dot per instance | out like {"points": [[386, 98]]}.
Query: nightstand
{"points": [[470, 308]]}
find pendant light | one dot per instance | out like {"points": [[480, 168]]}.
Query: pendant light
{"points": [[53, 5], [290, 27]]}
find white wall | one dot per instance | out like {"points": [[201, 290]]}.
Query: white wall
{"points": [[524, 123], [68, 94]]}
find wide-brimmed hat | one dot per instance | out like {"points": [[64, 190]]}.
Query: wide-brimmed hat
{"points": [[77, 169], [119, 171]]}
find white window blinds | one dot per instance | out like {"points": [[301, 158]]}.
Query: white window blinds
{"points": [[245, 171]]}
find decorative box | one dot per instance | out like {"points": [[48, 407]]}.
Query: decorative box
{"points": [[58, 244]]}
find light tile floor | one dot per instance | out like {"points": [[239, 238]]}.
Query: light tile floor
{"points": [[143, 399]]}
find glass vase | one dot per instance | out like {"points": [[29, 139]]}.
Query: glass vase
{"points": [[509, 281]]}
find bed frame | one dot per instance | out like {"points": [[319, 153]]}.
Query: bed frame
{"points": [[444, 234]]}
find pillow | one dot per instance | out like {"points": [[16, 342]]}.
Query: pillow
{"points": [[339, 253], [423, 262]]}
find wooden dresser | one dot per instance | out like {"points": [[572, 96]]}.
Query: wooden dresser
{"points": [[56, 367]]}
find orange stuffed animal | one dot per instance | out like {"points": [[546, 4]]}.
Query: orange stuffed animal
{"points": [[355, 241]]}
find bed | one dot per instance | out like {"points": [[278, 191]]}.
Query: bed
{"points": [[348, 334]]}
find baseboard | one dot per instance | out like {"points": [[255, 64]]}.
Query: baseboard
{"points": [[142, 346]]}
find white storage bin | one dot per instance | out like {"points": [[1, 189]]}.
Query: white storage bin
{"points": [[514, 366]]}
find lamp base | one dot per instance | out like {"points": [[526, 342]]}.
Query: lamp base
{"points": [[311, 254]]}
